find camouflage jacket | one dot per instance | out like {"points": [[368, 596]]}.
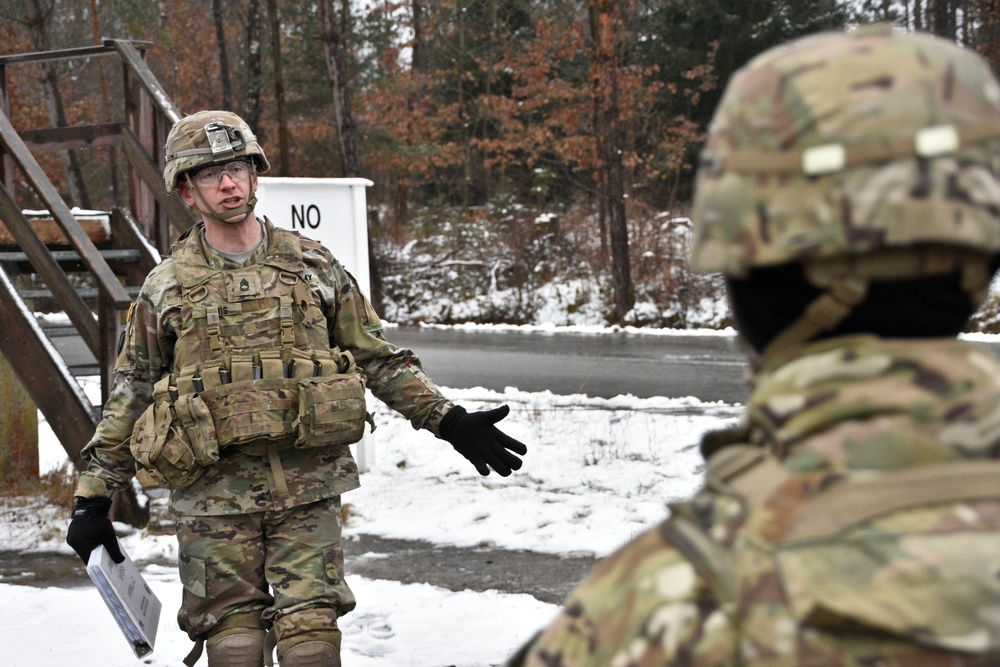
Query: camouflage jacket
{"points": [[242, 482], [854, 519]]}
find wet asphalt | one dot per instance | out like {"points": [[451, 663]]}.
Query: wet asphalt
{"points": [[546, 577]]}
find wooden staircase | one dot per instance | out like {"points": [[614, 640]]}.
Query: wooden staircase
{"points": [[92, 281]]}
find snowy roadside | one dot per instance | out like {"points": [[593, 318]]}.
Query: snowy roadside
{"points": [[598, 472]]}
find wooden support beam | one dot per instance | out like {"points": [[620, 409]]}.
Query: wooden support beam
{"points": [[70, 138], [49, 383], [160, 100], [126, 235], [18, 430]]}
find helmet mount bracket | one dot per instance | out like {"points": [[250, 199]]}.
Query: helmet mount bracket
{"points": [[224, 140]]}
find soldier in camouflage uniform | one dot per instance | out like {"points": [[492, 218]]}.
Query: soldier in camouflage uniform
{"points": [[240, 386], [850, 193]]}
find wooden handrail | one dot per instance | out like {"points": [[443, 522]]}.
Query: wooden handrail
{"points": [[130, 56], [106, 280], [104, 49], [179, 214]]}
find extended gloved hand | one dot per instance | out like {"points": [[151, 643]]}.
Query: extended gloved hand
{"points": [[477, 439], [91, 527]]}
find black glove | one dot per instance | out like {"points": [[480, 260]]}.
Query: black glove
{"points": [[477, 439], [91, 527]]}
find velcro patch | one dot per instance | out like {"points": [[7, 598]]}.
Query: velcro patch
{"points": [[244, 285]]}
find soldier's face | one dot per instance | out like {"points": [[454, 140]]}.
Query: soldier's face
{"points": [[220, 195]]}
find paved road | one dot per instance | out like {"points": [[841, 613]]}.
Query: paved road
{"points": [[709, 367], [546, 577]]}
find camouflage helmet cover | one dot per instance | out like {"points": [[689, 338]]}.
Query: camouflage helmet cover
{"points": [[842, 144], [207, 137]]}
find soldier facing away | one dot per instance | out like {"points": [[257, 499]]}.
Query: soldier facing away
{"points": [[850, 193], [239, 386]]}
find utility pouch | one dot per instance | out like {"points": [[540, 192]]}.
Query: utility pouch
{"points": [[331, 405], [173, 441], [249, 411]]}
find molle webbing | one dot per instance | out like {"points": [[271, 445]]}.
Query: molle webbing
{"points": [[757, 476], [217, 326], [290, 396], [265, 306], [214, 333], [287, 323]]}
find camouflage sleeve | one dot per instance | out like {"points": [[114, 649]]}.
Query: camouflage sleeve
{"points": [[394, 375], [646, 604], [145, 351]]}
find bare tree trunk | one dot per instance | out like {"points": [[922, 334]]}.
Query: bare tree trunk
{"points": [[334, 48], [53, 100], [987, 31], [220, 39], [333, 44], [611, 145], [95, 31], [942, 17], [463, 112], [418, 36], [279, 88], [251, 107]]}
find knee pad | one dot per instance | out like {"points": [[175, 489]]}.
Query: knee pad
{"points": [[238, 649], [311, 654]]}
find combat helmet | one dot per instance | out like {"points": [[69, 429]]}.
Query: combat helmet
{"points": [[207, 137], [867, 155]]}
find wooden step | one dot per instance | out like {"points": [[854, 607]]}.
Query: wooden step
{"points": [[10, 257], [86, 292], [94, 223]]}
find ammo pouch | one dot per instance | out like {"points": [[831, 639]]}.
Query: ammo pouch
{"points": [[304, 400], [311, 400], [173, 441], [909, 553]]}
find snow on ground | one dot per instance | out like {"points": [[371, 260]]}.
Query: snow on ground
{"points": [[598, 471]]}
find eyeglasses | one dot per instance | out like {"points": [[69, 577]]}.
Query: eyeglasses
{"points": [[238, 170]]}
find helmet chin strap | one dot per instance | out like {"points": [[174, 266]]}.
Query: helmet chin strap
{"points": [[825, 312], [246, 209], [845, 281]]}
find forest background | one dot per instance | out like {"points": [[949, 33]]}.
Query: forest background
{"points": [[532, 160]]}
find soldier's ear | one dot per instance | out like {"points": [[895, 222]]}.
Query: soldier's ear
{"points": [[185, 191]]}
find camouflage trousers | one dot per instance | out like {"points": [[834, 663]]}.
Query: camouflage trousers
{"points": [[282, 570], [696, 592]]}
